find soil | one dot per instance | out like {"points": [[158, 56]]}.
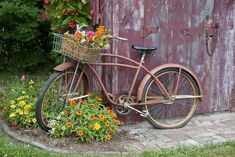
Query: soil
{"points": [[117, 144]]}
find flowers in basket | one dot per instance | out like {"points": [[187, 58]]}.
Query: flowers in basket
{"points": [[91, 39]]}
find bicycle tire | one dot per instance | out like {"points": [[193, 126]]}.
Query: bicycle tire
{"points": [[52, 108], [162, 115]]}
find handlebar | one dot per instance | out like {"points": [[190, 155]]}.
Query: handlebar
{"points": [[118, 38]]}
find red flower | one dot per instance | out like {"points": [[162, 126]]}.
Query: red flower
{"points": [[46, 2], [72, 24]]}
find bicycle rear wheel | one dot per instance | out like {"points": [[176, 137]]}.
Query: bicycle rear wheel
{"points": [[175, 113], [54, 96]]}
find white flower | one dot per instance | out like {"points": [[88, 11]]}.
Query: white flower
{"points": [[106, 46], [83, 33], [52, 122], [52, 131], [58, 117], [83, 40], [63, 128], [84, 1]]}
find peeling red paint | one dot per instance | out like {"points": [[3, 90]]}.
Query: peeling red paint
{"points": [[180, 38]]}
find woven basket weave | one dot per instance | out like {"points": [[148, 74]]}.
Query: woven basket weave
{"points": [[70, 46]]}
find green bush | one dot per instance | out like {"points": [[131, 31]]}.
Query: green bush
{"points": [[24, 40]]}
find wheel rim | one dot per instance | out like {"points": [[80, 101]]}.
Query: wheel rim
{"points": [[175, 113], [57, 95]]}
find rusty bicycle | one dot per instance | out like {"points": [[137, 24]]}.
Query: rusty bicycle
{"points": [[168, 94]]}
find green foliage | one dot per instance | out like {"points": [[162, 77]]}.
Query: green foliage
{"points": [[87, 120], [24, 40], [65, 14]]}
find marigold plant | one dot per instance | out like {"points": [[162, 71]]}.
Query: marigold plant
{"points": [[87, 120]]}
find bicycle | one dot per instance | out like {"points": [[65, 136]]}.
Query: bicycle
{"points": [[168, 94]]}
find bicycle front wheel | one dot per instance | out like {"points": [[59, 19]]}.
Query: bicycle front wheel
{"points": [[171, 113], [54, 96]]}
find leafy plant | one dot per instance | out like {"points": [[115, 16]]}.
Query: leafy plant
{"points": [[65, 14], [87, 120], [20, 103]]}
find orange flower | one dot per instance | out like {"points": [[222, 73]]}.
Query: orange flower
{"points": [[98, 98], [114, 115], [102, 117], [66, 112], [108, 108], [79, 113], [107, 124], [100, 30], [118, 122], [68, 124], [110, 111], [111, 130], [94, 118], [95, 106], [72, 103], [78, 35], [80, 133], [107, 137], [83, 101]]}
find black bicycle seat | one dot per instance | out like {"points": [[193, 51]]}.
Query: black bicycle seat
{"points": [[144, 49]]}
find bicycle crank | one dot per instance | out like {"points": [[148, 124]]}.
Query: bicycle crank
{"points": [[143, 113]]}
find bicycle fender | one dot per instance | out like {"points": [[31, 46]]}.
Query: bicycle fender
{"points": [[64, 66], [163, 66]]}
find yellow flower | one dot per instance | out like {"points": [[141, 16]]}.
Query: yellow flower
{"points": [[12, 102], [21, 112], [79, 113], [12, 115], [101, 44], [79, 133], [13, 106], [97, 126], [27, 107], [31, 82], [22, 103], [68, 124], [107, 137], [34, 120], [18, 110], [26, 112]]}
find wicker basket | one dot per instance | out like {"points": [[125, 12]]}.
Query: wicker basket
{"points": [[68, 45]]}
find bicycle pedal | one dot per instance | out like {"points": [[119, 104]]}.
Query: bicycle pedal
{"points": [[144, 113]]}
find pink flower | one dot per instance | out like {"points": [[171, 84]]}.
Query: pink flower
{"points": [[23, 78], [90, 34], [72, 24]]}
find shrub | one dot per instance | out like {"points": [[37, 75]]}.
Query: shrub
{"points": [[65, 14], [87, 120], [24, 40], [20, 103]]}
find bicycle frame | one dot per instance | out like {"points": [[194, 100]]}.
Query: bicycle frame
{"points": [[137, 66]]}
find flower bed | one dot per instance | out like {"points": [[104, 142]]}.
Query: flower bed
{"points": [[87, 120]]}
